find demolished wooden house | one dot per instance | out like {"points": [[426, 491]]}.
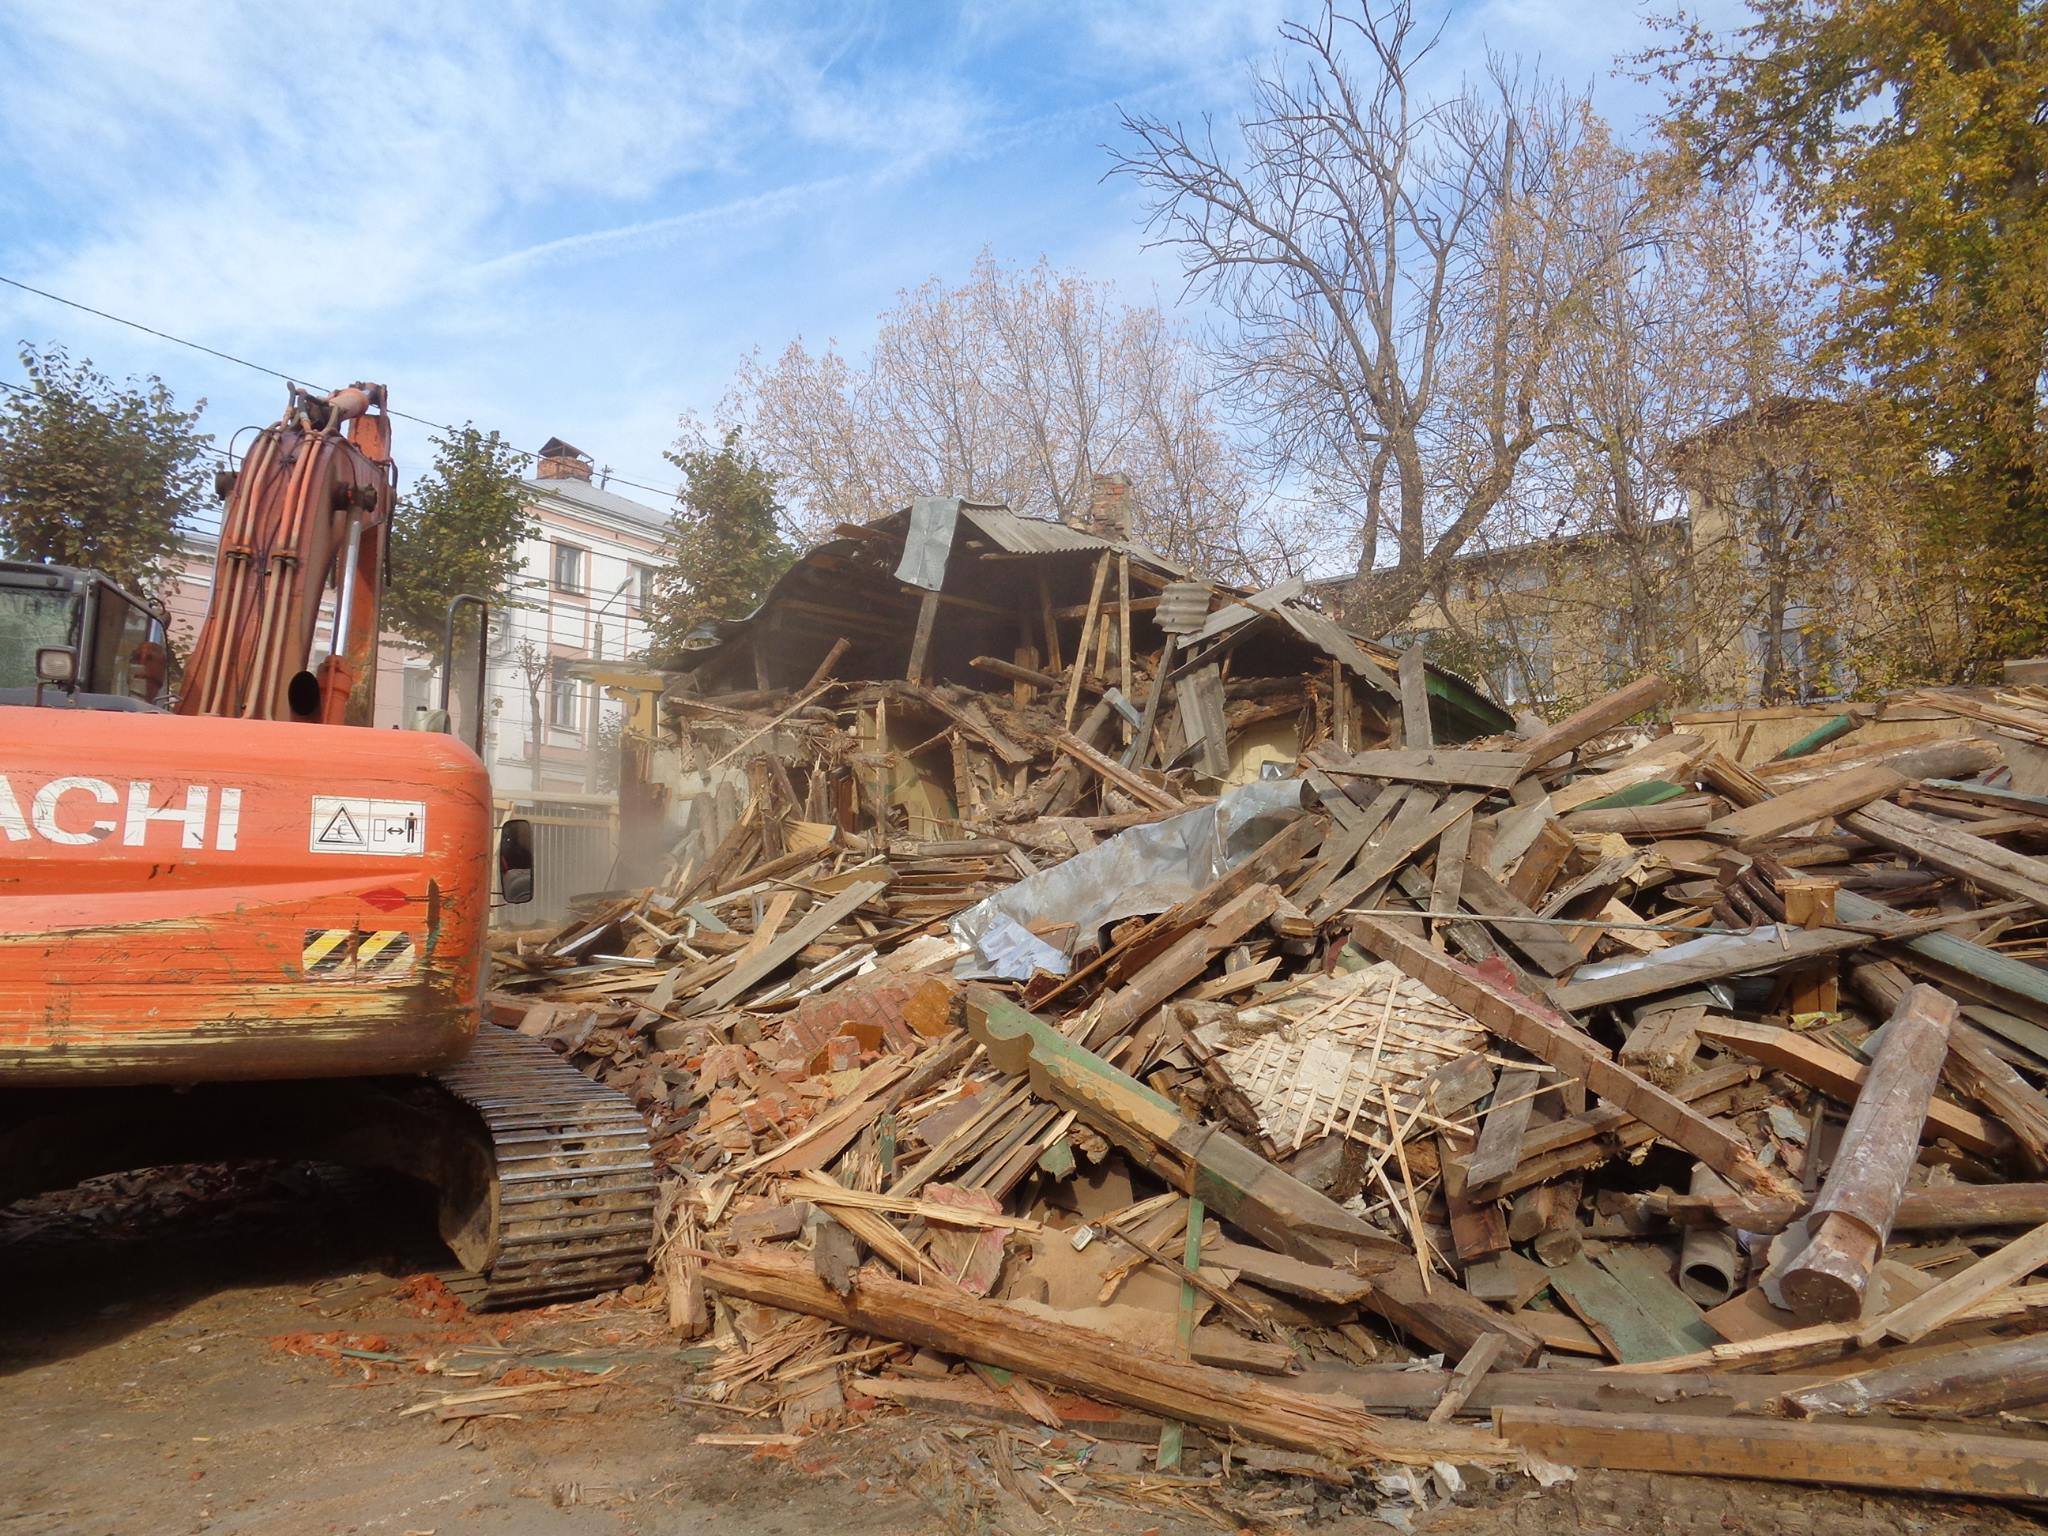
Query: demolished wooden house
{"points": [[921, 631], [1090, 981]]}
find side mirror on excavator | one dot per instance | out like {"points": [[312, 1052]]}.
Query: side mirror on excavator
{"points": [[515, 861]]}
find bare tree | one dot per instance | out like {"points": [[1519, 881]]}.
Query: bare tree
{"points": [[1395, 270], [1018, 386]]}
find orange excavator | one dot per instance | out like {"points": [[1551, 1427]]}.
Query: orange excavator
{"points": [[240, 927]]}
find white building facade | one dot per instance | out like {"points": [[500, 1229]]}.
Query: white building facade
{"points": [[583, 596]]}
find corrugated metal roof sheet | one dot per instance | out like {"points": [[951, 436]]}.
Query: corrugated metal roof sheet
{"points": [[1015, 535], [1183, 607]]}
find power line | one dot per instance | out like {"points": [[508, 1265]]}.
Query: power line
{"points": [[17, 389], [275, 373]]}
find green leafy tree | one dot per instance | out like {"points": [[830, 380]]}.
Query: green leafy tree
{"points": [[724, 546], [1912, 137], [96, 473], [458, 530]]}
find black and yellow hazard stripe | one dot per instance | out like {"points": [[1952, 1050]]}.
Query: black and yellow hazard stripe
{"points": [[384, 955], [327, 954]]}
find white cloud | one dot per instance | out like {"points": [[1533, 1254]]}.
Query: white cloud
{"points": [[244, 169]]}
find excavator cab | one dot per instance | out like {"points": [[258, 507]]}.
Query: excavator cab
{"points": [[70, 637]]}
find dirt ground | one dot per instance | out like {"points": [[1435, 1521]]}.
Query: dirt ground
{"points": [[187, 1351]]}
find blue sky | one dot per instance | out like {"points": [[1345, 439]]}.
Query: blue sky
{"points": [[574, 219]]}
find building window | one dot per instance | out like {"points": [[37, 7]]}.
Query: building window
{"points": [[563, 695], [643, 587], [568, 576]]}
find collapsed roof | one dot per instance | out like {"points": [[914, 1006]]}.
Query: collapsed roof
{"points": [[979, 580]]}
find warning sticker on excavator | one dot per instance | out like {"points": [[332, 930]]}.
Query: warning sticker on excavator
{"points": [[349, 954], [345, 824]]}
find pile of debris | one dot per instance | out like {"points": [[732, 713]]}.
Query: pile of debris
{"points": [[1571, 1095]]}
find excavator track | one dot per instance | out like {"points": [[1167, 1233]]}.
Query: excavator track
{"points": [[575, 1178]]}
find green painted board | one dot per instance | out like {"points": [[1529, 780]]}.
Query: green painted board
{"points": [[1649, 792], [1611, 1310], [1646, 1273]]}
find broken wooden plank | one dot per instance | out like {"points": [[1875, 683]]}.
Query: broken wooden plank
{"points": [[1700, 960], [1549, 1038], [1461, 767], [1841, 1076], [1499, 1148], [1414, 828], [1544, 946], [1664, 1041], [1994, 1272], [1179, 964], [1289, 1276], [1831, 796], [1200, 697], [1465, 1380], [784, 947], [1947, 847], [1139, 788]]}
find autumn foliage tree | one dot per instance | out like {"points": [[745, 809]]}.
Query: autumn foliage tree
{"points": [[98, 473], [1911, 139], [724, 546]]}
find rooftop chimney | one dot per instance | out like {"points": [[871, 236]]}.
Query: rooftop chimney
{"points": [[1109, 507], [562, 461]]}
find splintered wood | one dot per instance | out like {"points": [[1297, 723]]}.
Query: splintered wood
{"points": [[1322, 1061], [1598, 1058]]}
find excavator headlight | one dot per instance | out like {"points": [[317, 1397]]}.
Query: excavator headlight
{"points": [[56, 664]]}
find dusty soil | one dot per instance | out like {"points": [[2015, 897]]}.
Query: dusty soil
{"points": [[188, 1351]]}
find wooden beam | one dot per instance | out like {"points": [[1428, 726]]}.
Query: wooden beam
{"points": [[1550, 1039], [1852, 1219], [1951, 1208], [1985, 1379], [1139, 788], [1087, 629], [1596, 719], [1689, 964], [829, 664], [921, 637], [1414, 679], [1085, 1360], [1842, 1455], [1477, 1362]]}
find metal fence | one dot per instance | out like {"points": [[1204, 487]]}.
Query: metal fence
{"points": [[575, 848]]}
